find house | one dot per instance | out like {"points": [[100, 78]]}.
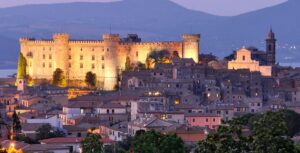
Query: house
{"points": [[43, 148], [211, 121], [147, 123], [116, 132], [53, 120]]}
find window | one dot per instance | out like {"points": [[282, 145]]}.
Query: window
{"points": [[50, 65], [81, 65], [107, 111], [214, 119], [193, 119], [137, 54], [103, 66], [113, 111], [44, 56], [206, 119], [81, 57], [80, 49], [50, 56], [93, 66], [70, 49], [70, 57], [102, 58], [70, 65], [43, 64], [93, 57], [244, 58], [107, 49]]}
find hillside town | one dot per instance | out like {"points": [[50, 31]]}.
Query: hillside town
{"points": [[169, 93]]}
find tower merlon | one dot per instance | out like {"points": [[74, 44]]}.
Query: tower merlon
{"points": [[111, 37], [191, 37]]}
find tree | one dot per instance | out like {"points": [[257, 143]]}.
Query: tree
{"points": [[29, 80], [92, 143], [46, 131], [91, 79], [16, 122], [161, 56], [22, 63], [268, 133], [59, 78], [128, 64], [152, 141]]}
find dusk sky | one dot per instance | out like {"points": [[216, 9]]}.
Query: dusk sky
{"points": [[218, 7]]}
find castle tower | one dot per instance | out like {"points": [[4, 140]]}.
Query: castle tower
{"points": [[61, 41], [110, 44], [271, 48], [190, 46]]}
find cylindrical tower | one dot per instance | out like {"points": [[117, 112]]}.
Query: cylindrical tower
{"points": [[110, 44], [190, 46], [60, 57]]}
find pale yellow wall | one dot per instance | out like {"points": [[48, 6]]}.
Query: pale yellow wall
{"points": [[243, 61], [111, 49]]}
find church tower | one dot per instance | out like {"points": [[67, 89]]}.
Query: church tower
{"points": [[271, 48]]}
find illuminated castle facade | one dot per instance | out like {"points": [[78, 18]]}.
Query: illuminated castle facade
{"points": [[104, 57]]}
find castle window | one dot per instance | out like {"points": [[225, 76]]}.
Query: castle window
{"points": [[43, 48], [93, 66], [93, 49], [80, 49], [137, 54], [50, 48], [43, 65], [93, 57], [44, 56], [81, 57], [107, 49], [103, 66], [50, 56], [50, 65], [102, 58], [70, 49], [70, 57], [244, 58], [81, 65], [70, 65]]}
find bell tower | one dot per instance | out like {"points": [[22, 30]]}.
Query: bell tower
{"points": [[271, 48]]}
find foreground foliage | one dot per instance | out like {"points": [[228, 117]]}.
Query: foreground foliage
{"points": [[268, 132], [151, 141]]}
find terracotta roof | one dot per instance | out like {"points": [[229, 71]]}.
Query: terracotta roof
{"points": [[68, 140]]}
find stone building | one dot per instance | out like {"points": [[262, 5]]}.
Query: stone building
{"points": [[243, 60], [105, 57]]}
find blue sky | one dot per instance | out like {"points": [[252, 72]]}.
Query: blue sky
{"points": [[218, 7]]}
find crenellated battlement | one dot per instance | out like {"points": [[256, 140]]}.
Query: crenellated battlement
{"points": [[61, 37], [152, 43], [191, 37], [74, 42], [111, 37]]}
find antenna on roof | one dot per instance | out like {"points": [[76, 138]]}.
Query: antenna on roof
{"points": [[109, 28]]}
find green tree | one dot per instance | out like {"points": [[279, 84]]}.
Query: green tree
{"points": [[59, 78], [128, 64], [91, 79], [160, 56], [22, 63], [16, 122], [268, 133], [92, 143], [152, 141], [46, 131]]}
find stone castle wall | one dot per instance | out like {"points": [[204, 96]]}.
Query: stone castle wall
{"points": [[104, 57]]}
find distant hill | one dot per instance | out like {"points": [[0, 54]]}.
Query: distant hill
{"points": [[152, 20]]}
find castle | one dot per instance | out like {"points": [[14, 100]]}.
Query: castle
{"points": [[106, 58]]}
